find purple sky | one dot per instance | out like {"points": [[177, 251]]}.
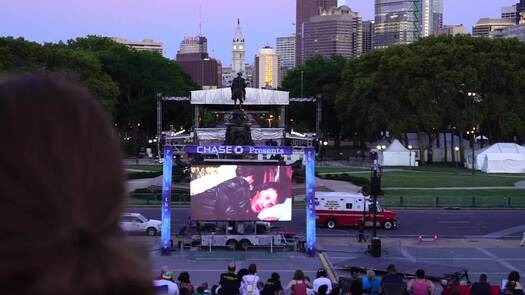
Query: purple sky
{"points": [[169, 21]]}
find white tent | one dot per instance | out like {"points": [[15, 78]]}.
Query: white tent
{"points": [[397, 155], [500, 158]]}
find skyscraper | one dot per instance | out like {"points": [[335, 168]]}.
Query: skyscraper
{"points": [[238, 51], [305, 9], [266, 68], [337, 31], [437, 16], [397, 22], [197, 44], [368, 36], [405, 21], [285, 47], [194, 60]]}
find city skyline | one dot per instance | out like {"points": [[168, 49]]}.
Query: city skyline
{"points": [[170, 21]]}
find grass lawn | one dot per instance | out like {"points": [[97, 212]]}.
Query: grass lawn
{"points": [[153, 168], [339, 169], [513, 193], [454, 198], [431, 179]]}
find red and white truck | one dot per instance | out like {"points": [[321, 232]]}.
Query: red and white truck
{"points": [[349, 209]]}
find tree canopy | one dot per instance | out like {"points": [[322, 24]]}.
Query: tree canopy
{"points": [[124, 81], [425, 87]]}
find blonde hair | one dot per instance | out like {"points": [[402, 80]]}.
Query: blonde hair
{"points": [[371, 274]]}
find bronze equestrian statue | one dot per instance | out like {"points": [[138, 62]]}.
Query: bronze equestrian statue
{"points": [[238, 89]]}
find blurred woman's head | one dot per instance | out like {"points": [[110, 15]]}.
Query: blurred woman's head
{"points": [[420, 274], [184, 277], [298, 275], [61, 188]]}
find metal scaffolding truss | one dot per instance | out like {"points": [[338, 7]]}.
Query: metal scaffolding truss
{"points": [[292, 99]]}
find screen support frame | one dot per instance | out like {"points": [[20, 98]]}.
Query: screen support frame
{"points": [[309, 158]]}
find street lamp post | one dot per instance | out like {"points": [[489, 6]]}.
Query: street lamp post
{"points": [[302, 83], [410, 156], [202, 70], [475, 99], [456, 149]]}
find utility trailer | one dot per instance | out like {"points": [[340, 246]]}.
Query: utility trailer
{"points": [[245, 235]]}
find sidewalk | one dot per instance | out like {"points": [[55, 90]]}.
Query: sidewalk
{"points": [[413, 242]]}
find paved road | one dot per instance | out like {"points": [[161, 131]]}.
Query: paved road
{"points": [[496, 224]]}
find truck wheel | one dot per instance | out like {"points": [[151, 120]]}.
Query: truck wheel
{"points": [[232, 244], [388, 225], [244, 244], [330, 224], [151, 231]]}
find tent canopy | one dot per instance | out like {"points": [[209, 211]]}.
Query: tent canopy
{"points": [[397, 154], [396, 146], [500, 158]]}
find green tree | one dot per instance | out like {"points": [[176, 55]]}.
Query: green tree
{"points": [[321, 78]]}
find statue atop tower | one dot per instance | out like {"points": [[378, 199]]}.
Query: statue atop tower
{"points": [[238, 51]]}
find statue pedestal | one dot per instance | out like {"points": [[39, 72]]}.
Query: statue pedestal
{"points": [[238, 131]]}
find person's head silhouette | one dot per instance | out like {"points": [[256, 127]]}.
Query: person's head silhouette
{"points": [[61, 189]]}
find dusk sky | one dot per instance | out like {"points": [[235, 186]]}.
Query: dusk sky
{"points": [[169, 21]]}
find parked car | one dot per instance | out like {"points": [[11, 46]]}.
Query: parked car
{"points": [[137, 223]]}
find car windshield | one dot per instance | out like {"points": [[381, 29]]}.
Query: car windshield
{"points": [[144, 219]]}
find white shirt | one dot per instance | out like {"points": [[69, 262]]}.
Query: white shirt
{"points": [[322, 281], [173, 289], [249, 280]]}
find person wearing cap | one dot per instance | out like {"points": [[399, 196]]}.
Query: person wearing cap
{"points": [[320, 280], [163, 269], [166, 282]]}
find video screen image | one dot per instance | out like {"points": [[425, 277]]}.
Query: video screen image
{"points": [[241, 192]]}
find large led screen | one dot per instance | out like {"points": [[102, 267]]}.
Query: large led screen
{"points": [[241, 192]]}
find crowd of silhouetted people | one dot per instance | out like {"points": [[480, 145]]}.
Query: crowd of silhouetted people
{"points": [[248, 282]]}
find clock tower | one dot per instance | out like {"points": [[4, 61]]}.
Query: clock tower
{"points": [[238, 52]]}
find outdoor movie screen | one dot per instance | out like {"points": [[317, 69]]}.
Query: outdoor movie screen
{"points": [[241, 192]]}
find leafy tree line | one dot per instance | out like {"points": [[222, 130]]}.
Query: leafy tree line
{"points": [[424, 87], [124, 81]]}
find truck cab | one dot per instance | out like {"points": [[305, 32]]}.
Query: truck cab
{"points": [[349, 209]]}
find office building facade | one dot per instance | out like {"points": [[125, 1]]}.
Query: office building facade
{"points": [[396, 22], [405, 21], [509, 12], [368, 36], [197, 44], [305, 9], [336, 31], [144, 45], [452, 30], [285, 47], [517, 31], [266, 72], [488, 27]]}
